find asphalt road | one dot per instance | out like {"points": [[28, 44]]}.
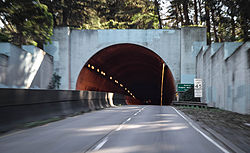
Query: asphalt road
{"points": [[121, 129]]}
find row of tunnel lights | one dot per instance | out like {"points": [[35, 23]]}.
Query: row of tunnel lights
{"points": [[111, 78]]}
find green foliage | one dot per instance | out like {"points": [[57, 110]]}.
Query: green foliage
{"points": [[128, 14], [111, 24], [72, 13], [55, 82], [26, 21], [42, 122], [3, 37], [32, 21], [226, 20], [145, 21]]}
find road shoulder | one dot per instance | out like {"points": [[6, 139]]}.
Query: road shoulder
{"points": [[210, 130]]}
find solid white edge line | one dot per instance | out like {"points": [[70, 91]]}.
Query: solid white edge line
{"points": [[203, 134]]}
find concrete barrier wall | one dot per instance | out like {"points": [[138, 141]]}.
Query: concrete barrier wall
{"points": [[225, 72], [20, 106], [26, 67]]}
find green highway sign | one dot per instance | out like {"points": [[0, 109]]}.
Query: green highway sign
{"points": [[184, 87]]}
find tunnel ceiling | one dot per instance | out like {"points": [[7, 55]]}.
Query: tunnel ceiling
{"points": [[128, 69]]}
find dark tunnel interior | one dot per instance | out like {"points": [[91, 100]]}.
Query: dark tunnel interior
{"points": [[128, 69]]}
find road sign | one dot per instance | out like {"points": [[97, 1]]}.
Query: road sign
{"points": [[197, 84], [197, 93], [184, 87], [197, 87]]}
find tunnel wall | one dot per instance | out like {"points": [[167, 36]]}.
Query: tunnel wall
{"points": [[20, 106], [137, 69], [73, 48], [225, 71]]}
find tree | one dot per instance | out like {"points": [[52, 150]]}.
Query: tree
{"points": [[73, 13], [54, 7], [200, 11], [232, 11], [175, 16], [185, 4], [26, 21], [244, 18], [208, 24], [215, 7], [226, 20], [195, 12], [103, 14], [55, 81], [157, 10], [129, 14]]}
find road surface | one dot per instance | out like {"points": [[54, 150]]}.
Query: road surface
{"points": [[113, 130]]}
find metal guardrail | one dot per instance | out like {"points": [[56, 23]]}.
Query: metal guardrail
{"points": [[189, 103]]}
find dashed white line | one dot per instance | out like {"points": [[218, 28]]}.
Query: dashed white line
{"points": [[99, 146], [128, 119], [120, 127], [203, 134], [135, 113]]}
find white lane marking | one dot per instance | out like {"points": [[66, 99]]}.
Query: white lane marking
{"points": [[136, 113], [120, 127], [140, 111], [203, 134], [128, 119], [100, 144]]}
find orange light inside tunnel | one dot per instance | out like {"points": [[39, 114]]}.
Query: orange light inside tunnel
{"points": [[128, 69]]}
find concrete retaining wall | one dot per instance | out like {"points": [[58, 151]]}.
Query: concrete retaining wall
{"points": [[20, 106], [29, 67], [225, 71], [192, 39]]}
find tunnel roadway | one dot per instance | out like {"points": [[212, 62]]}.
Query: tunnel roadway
{"points": [[120, 129]]}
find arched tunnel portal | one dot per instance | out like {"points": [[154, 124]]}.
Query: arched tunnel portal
{"points": [[131, 70]]}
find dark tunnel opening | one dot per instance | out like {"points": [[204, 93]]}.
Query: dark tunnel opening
{"points": [[131, 70]]}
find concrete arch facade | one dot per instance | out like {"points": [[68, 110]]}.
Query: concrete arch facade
{"points": [[131, 70], [73, 48]]}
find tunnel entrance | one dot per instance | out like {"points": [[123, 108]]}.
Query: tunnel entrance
{"points": [[128, 69]]}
